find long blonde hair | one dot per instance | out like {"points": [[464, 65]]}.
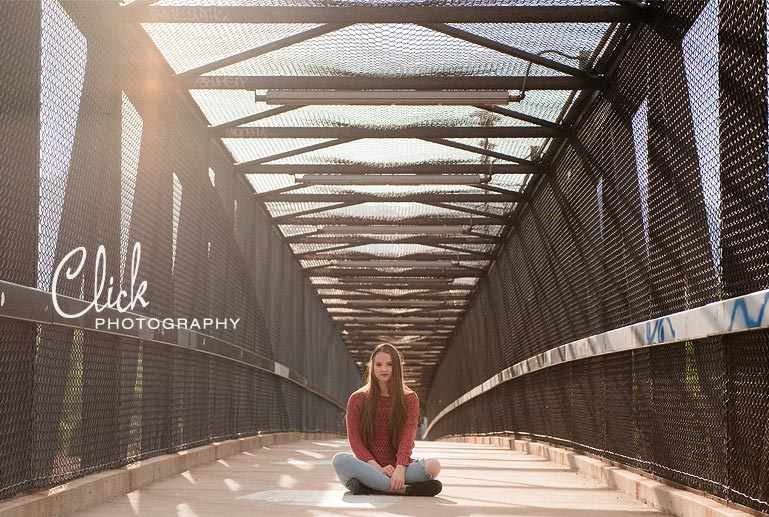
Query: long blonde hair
{"points": [[398, 413]]}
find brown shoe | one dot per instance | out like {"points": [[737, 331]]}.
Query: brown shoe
{"points": [[425, 488]]}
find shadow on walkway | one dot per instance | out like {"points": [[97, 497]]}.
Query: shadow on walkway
{"points": [[297, 479]]}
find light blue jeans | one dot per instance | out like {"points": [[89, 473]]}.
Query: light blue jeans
{"points": [[348, 466]]}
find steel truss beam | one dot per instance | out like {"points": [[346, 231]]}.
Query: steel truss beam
{"points": [[526, 118], [479, 254], [413, 308], [422, 221], [433, 294], [428, 273], [504, 218], [294, 152], [367, 343], [425, 344], [393, 263], [418, 296], [253, 118], [263, 49], [368, 284], [359, 241], [417, 256], [417, 82], [509, 50], [397, 319], [279, 219], [407, 198], [446, 321], [408, 132], [430, 296], [499, 190], [394, 325], [396, 322], [384, 307], [300, 256], [408, 330], [499, 168], [391, 332], [448, 325], [361, 14], [481, 150], [288, 188], [430, 344], [418, 311], [411, 327]]}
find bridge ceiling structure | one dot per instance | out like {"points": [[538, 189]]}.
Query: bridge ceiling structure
{"points": [[394, 144]]}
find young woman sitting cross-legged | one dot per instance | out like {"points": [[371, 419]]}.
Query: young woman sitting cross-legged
{"points": [[381, 426]]}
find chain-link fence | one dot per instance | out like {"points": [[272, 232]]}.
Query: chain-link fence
{"points": [[658, 205], [99, 151]]}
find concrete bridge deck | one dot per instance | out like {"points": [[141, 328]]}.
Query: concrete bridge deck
{"points": [[294, 479]]}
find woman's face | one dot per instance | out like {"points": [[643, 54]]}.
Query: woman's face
{"points": [[383, 366]]}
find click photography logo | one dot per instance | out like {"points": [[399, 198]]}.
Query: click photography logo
{"points": [[108, 295]]}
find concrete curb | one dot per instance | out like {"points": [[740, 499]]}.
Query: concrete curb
{"points": [[654, 493], [95, 488]]}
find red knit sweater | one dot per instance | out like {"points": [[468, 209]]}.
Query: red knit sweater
{"points": [[381, 448]]}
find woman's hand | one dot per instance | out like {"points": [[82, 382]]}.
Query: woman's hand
{"points": [[388, 470], [377, 466], [398, 478]]}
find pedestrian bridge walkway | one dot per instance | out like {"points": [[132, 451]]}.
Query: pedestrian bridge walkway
{"points": [[296, 479], [213, 211]]}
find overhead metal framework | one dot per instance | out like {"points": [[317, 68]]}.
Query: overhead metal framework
{"points": [[392, 145], [356, 13]]}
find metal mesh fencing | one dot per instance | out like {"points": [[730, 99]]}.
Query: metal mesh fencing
{"points": [[658, 205], [98, 152], [19, 109], [663, 410]]}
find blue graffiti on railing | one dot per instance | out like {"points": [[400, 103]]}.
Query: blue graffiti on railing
{"points": [[655, 330], [741, 307]]}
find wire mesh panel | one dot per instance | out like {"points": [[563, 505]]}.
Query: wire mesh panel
{"points": [[98, 158], [57, 439], [221, 399], [587, 404], [189, 407], [681, 264], [19, 113], [685, 379], [656, 206], [748, 432], [627, 406], [663, 410], [743, 113], [156, 399], [100, 401]]}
